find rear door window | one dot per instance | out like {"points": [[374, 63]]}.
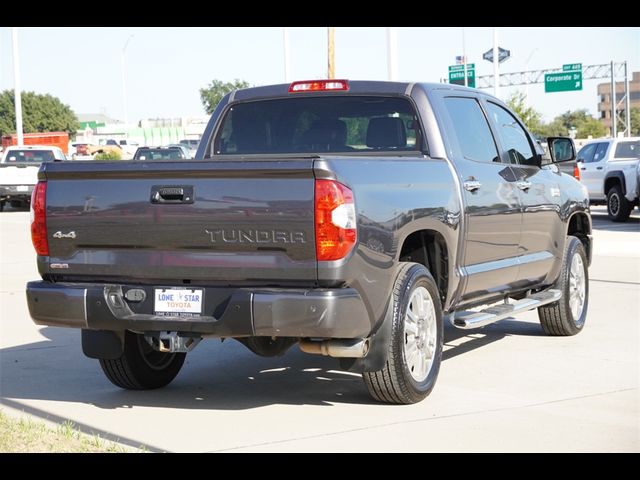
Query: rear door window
{"points": [[472, 130], [600, 152], [320, 124]]}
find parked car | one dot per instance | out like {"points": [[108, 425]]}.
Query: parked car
{"points": [[350, 218], [187, 153], [161, 153], [191, 144], [19, 171], [128, 147], [608, 170]]}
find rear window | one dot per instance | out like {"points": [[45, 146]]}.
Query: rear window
{"points": [[17, 156], [319, 124], [628, 150]]}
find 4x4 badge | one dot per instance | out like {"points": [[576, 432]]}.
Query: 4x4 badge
{"points": [[59, 234]]}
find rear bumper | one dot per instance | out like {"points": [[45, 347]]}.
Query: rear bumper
{"points": [[12, 192], [227, 312]]}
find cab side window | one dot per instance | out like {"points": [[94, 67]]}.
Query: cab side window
{"points": [[586, 153], [513, 137]]}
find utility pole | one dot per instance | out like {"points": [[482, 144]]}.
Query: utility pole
{"points": [[331, 67], [124, 83], [496, 73], [16, 86], [392, 53], [627, 101], [614, 122], [464, 60]]}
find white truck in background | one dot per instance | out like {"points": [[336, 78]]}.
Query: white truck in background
{"points": [[19, 172], [609, 170]]}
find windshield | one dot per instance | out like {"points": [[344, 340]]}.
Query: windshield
{"points": [[29, 156], [319, 124], [628, 150], [159, 154]]}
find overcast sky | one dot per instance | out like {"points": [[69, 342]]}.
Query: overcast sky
{"points": [[165, 67]]}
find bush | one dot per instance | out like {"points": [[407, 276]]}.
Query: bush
{"points": [[111, 155]]}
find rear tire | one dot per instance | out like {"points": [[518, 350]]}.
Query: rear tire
{"points": [[567, 315], [415, 347], [618, 207], [140, 367]]}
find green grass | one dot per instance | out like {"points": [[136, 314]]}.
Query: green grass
{"points": [[28, 435]]}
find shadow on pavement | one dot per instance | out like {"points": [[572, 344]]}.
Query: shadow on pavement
{"points": [[601, 221], [223, 376]]}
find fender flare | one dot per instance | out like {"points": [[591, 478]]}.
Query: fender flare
{"points": [[619, 175]]}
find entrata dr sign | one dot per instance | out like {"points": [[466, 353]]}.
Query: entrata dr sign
{"points": [[456, 74]]}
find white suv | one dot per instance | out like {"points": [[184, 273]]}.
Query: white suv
{"points": [[608, 170]]}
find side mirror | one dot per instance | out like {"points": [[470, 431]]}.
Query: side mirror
{"points": [[561, 149]]}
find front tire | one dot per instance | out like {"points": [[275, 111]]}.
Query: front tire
{"points": [[140, 367], [415, 347], [618, 207], [567, 315]]}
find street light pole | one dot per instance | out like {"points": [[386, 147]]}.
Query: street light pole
{"points": [[16, 86], [287, 57], [496, 73], [124, 82], [392, 53], [464, 60]]}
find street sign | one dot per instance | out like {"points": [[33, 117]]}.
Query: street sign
{"points": [[503, 54], [563, 81], [456, 74], [570, 67]]}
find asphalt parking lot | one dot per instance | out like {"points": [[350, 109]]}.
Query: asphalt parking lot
{"points": [[506, 387]]}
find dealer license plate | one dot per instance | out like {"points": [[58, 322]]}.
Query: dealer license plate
{"points": [[22, 188], [178, 301]]}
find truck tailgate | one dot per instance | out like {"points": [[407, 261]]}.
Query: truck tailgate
{"points": [[201, 222], [23, 173]]}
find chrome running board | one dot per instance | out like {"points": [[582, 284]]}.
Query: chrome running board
{"points": [[471, 319]]}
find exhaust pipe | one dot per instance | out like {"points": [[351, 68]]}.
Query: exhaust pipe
{"points": [[351, 348]]}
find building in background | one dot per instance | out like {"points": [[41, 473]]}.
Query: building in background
{"points": [[604, 94], [150, 132]]}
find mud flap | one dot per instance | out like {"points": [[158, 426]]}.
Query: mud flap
{"points": [[102, 344], [378, 349]]}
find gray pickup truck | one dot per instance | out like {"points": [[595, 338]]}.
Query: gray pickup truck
{"points": [[350, 217]]}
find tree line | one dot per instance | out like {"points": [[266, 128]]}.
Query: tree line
{"points": [[585, 124]]}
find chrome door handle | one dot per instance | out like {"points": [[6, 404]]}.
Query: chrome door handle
{"points": [[472, 185], [523, 185]]}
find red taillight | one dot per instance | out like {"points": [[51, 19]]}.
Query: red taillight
{"points": [[39, 219], [335, 216], [576, 172], [318, 86]]}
